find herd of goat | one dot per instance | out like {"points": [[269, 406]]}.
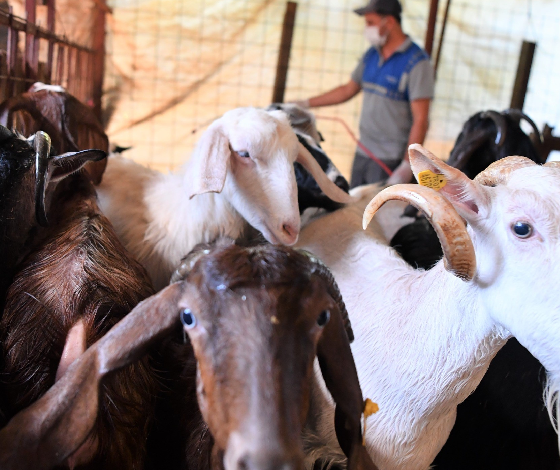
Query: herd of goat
{"points": [[237, 314]]}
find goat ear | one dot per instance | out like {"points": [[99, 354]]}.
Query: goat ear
{"points": [[340, 376], [63, 165], [210, 161], [468, 197]]}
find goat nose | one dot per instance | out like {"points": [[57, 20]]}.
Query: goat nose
{"points": [[268, 462], [291, 233]]}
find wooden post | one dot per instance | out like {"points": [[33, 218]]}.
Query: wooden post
{"points": [[284, 53], [522, 75], [429, 43], [440, 43], [99, 59]]}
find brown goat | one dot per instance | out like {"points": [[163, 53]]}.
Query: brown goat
{"points": [[68, 293], [46, 433], [256, 318], [71, 124]]}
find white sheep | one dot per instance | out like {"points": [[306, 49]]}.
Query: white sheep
{"points": [[241, 171], [424, 339]]}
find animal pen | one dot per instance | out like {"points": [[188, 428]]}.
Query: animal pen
{"points": [[172, 67]]}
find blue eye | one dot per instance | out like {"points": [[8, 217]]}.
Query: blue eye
{"points": [[522, 229], [188, 319], [323, 318], [243, 153]]}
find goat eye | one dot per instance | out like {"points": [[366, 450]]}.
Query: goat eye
{"points": [[522, 229], [323, 318], [242, 153], [188, 319]]}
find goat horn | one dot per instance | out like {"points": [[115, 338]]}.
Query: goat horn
{"points": [[500, 171], [42, 146], [518, 114], [501, 125], [461, 154], [458, 251], [552, 164]]}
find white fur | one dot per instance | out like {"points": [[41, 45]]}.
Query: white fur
{"points": [[424, 339], [158, 223]]}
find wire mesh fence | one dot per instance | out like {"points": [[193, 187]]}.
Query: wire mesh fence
{"points": [[174, 66]]}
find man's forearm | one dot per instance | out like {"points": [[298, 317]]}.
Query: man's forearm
{"points": [[336, 95], [417, 134]]}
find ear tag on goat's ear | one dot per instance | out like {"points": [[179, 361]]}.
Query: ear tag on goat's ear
{"points": [[369, 409], [432, 180]]}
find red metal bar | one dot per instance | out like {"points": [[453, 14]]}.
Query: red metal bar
{"points": [[60, 65], [99, 60], [69, 78], [30, 9], [51, 27], [13, 37]]}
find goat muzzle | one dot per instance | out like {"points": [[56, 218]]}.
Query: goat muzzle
{"points": [[458, 251]]}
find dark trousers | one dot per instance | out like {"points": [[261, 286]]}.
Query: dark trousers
{"points": [[366, 171]]}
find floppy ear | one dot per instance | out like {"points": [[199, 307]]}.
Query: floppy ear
{"points": [[54, 169], [468, 197], [38, 437], [341, 378], [64, 165], [210, 161]]}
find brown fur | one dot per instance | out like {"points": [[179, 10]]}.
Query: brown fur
{"points": [[257, 311], [81, 271]]}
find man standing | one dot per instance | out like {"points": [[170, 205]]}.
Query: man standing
{"points": [[398, 83]]}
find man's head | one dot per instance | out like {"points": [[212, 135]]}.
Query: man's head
{"points": [[382, 18]]}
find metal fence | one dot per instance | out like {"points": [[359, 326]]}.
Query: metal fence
{"points": [[30, 53], [174, 66]]}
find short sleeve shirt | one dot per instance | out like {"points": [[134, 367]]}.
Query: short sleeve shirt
{"points": [[389, 87]]}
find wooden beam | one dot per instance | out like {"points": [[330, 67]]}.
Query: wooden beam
{"points": [[440, 43], [284, 53], [430, 32], [522, 75]]}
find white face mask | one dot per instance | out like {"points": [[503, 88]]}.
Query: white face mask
{"points": [[373, 36]]}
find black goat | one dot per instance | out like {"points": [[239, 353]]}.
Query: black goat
{"points": [[503, 424], [25, 194], [309, 192]]}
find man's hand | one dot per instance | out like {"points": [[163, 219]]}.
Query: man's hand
{"points": [[401, 174], [301, 103]]}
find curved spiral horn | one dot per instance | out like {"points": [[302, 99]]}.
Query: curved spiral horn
{"points": [[501, 125], [518, 114], [500, 171], [458, 251]]}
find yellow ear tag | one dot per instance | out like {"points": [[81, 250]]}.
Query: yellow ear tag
{"points": [[432, 180], [369, 409]]}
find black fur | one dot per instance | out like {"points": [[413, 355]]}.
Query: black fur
{"points": [[309, 193]]}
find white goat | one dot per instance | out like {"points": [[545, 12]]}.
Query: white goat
{"points": [[241, 171], [424, 339]]}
